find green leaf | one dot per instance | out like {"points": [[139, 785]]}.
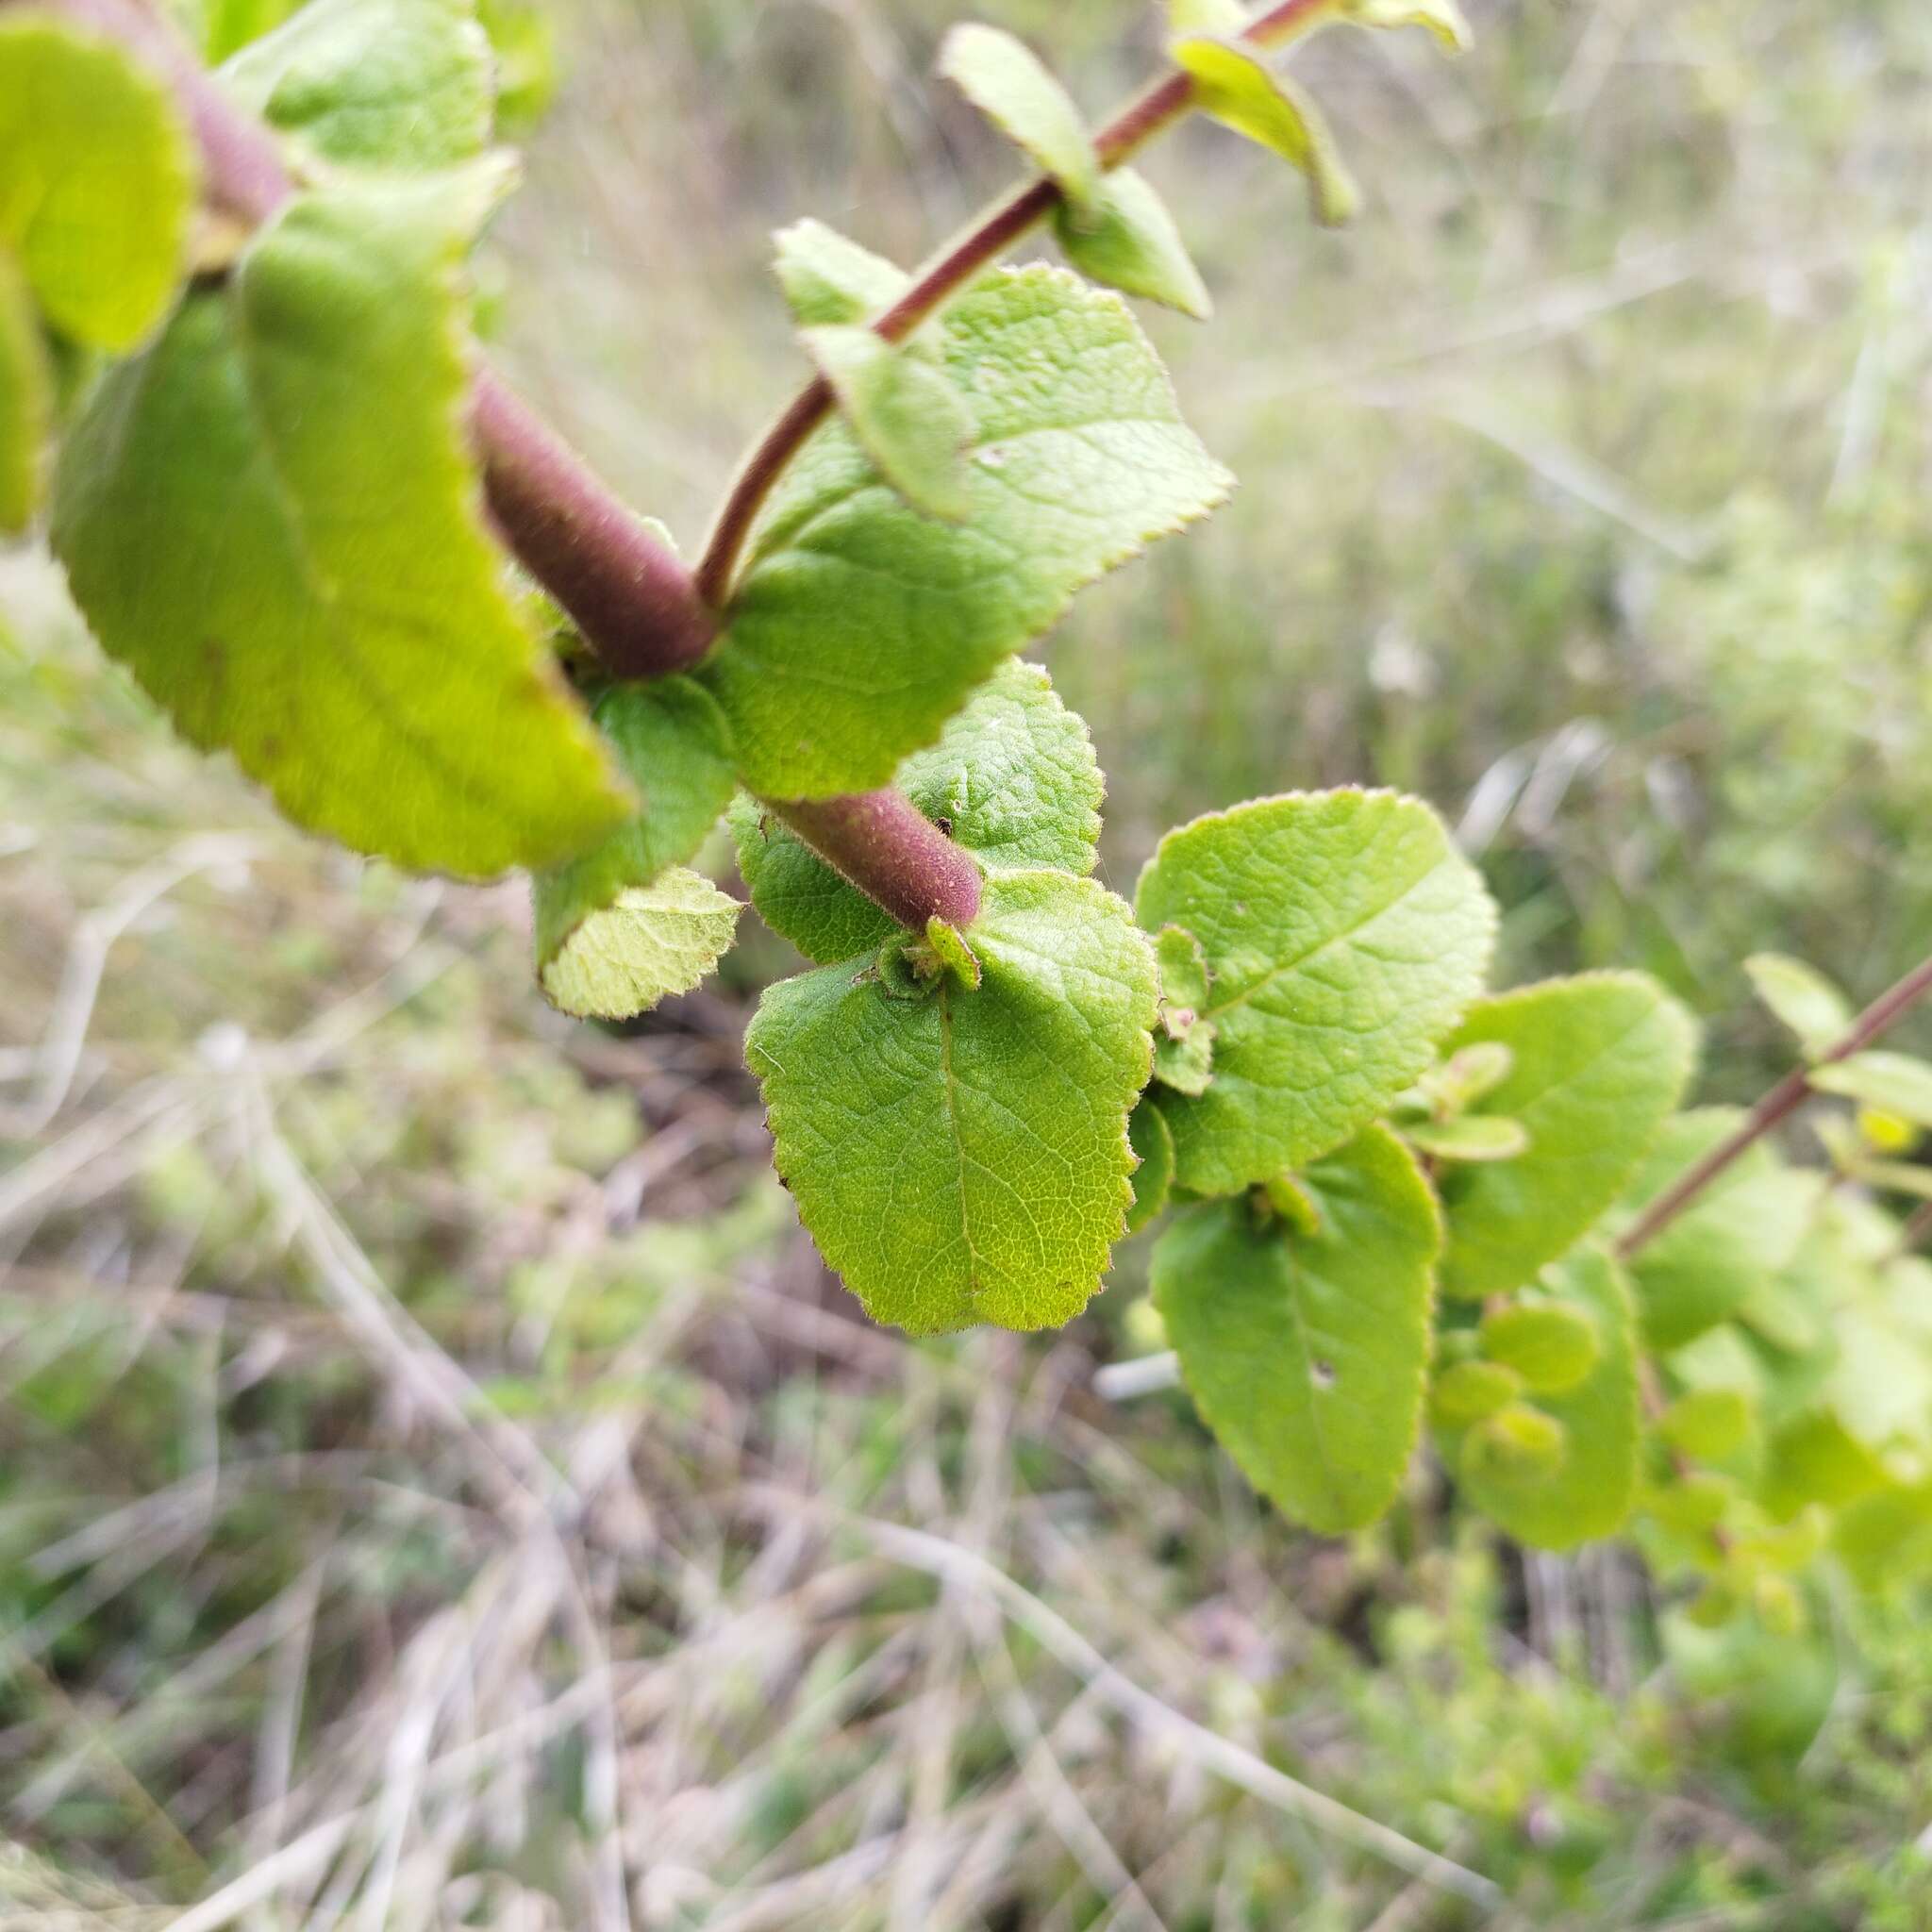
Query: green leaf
{"points": [[670, 740], [271, 516], [1005, 81], [1598, 1063], [950, 952], [1801, 997], [1344, 934], [1466, 1391], [1734, 1235], [1305, 1353], [1709, 1424], [1885, 1538], [912, 421], [1443, 18], [373, 83], [1552, 1345], [1514, 1451], [26, 402], [964, 1157], [1235, 88], [648, 941], [829, 281], [860, 625], [1013, 779], [1152, 1145], [1468, 1137], [1184, 1042], [97, 181], [1183, 969], [1588, 1489], [1127, 240], [1815, 1458], [1184, 1058], [1895, 1083]]}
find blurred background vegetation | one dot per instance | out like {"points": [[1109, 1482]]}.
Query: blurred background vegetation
{"points": [[438, 1485]]}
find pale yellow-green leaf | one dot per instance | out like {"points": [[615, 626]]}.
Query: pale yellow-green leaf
{"points": [[1896, 1082], [26, 401], [271, 516], [1152, 1145], [1221, 18], [1006, 81], [829, 280], [1468, 1137], [1801, 996], [97, 180], [1126, 238], [1443, 18], [1553, 1346], [906, 414], [648, 942], [1240, 90]]}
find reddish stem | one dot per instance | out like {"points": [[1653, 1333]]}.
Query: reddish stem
{"points": [[1776, 1106], [893, 854], [988, 237], [628, 594]]}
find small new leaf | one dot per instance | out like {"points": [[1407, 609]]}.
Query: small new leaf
{"points": [[952, 954], [1708, 1424], [26, 402], [1517, 1449], [1183, 970], [97, 181], [860, 625], [909, 417], [1468, 1137], [1012, 779], [402, 84], [1127, 240], [1185, 1062], [1801, 997], [271, 516], [1552, 1345], [1598, 1063], [1184, 1042], [1221, 19], [1152, 1145], [1343, 934], [1465, 1077], [1895, 1082], [1005, 81], [832, 282], [964, 1157], [648, 941], [1466, 1391], [596, 937], [1305, 1353], [1238, 90], [1587, 1490], [1443, 18]]}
